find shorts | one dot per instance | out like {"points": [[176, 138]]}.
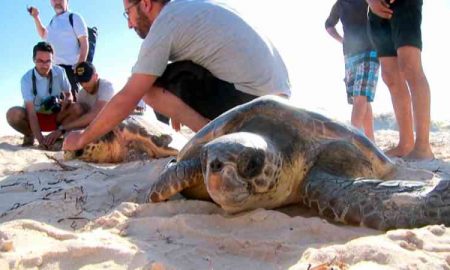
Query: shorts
{"points": [[72, 80], [199, 89], [361, 75], [47, 122], [403, 29]]}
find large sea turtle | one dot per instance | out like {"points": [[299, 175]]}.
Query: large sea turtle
{"points": [[267, 154], [132, 139]]}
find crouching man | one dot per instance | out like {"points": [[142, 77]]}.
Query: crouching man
{"points": [[94, 95], [47, 100]]}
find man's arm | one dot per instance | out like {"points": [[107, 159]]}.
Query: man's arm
{"points": [[381, 8], [87, 118], [331, 22], [33, 121], [41, 30], [124, 102], [84, 48]]}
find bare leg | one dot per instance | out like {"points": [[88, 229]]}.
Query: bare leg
{"points": [[409, 59], [18, 120], [359, 115], [74, 111], [368, 123], [170, 105], [401, 101]]}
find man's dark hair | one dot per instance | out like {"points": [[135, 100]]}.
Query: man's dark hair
{"points": [[42, 47]]}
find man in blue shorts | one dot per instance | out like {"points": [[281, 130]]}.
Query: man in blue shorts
{"points": [[394, 26], [361, 62]]}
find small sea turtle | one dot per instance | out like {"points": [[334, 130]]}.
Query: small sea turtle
{"points": [[267, 154], [132, 139]]}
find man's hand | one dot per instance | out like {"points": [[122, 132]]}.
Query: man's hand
{"points": [[175, 124], [34, 12], [51, 138], [381, 8], [65, 103], [73, 141]]}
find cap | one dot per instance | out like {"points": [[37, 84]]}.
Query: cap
{"points": [[84, 71]]}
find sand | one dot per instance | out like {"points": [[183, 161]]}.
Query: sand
{"points": [[75, 215]]}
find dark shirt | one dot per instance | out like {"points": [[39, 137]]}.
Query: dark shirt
{"points": [[353, 16]]}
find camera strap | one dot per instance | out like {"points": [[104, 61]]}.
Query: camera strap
{"points": [[50, 82]]}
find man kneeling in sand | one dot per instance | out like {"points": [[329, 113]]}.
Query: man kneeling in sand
{"points": [[42, 90], [94, 95]]}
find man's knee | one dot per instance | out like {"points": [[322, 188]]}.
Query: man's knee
{"points": [[409, 61], [15, 115]]}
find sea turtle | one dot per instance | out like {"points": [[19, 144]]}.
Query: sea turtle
{"points": [[132, 139], [268, 153]]}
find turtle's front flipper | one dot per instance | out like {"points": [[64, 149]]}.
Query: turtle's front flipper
{"points": [[177, 177], [382, 205]]}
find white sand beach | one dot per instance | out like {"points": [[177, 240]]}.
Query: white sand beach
{"points": [[58, 214]]}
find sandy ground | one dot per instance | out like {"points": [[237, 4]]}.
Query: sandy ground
{"points": [[75, 215]]}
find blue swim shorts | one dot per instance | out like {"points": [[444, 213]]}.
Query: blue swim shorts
{"points": [[361, 75]]}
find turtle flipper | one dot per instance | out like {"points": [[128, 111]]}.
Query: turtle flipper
{"points": [[177, 177], [381, 205]]}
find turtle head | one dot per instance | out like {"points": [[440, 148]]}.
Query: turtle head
{"points": [[241, 171]]}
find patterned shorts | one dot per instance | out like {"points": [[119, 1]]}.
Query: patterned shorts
{"points": [[361, 75]]}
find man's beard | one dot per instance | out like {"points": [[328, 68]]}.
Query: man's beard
{"points": [[143, 24], [59, 9]]}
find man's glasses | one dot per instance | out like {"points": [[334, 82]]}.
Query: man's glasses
{"points": [[127, 10], [43, 62]]}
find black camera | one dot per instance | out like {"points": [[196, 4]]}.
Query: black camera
{"points": [[29, 9], [51, 104]]}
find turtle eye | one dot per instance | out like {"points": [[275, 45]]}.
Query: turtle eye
{"points": [[216, 165], [250, 163]]}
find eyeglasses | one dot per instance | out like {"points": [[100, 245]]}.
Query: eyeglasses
{"points": [[127, 10], [43, 62]]}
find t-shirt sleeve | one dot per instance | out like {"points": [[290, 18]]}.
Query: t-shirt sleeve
{"points": [[79, 26], [156, 49], [333, 18], [106, 91], [27, 88]]}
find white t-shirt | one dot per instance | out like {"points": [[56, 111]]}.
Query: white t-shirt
{"points": [[64, 37], [218, 39], [60, 84], [105, 93]]}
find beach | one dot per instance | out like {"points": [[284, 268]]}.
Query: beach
{"points": [[58, 214]]}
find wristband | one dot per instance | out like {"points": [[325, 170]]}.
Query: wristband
{"points": [[61, 128]]}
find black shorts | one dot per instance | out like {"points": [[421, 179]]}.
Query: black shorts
{"points": [[403, 29], [199, 89], [72, 80]]}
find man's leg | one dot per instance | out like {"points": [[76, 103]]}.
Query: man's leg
{"points": [[359, 113], [368, 123], [72, 80], [401, 101], [72, 112], [18, 120], [409, 59]]}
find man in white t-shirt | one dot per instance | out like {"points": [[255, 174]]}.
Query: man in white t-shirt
{"points": [[69, 41], [93, 96], [211, 48]]}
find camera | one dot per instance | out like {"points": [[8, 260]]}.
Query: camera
{"points": [[51, 104], [29, 9]]}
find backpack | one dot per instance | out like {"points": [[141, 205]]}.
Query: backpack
{"points": [[92, 39]]}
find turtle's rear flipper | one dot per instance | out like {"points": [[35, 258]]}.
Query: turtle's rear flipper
{"points": [[177, 177], [381, 205]]}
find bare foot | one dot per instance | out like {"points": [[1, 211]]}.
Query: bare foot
{"points": [[398, 151], [420, 155]]}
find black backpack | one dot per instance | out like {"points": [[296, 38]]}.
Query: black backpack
{"points": [[92, 39]]}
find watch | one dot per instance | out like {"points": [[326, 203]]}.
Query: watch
{"points": [[61, 128]]}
